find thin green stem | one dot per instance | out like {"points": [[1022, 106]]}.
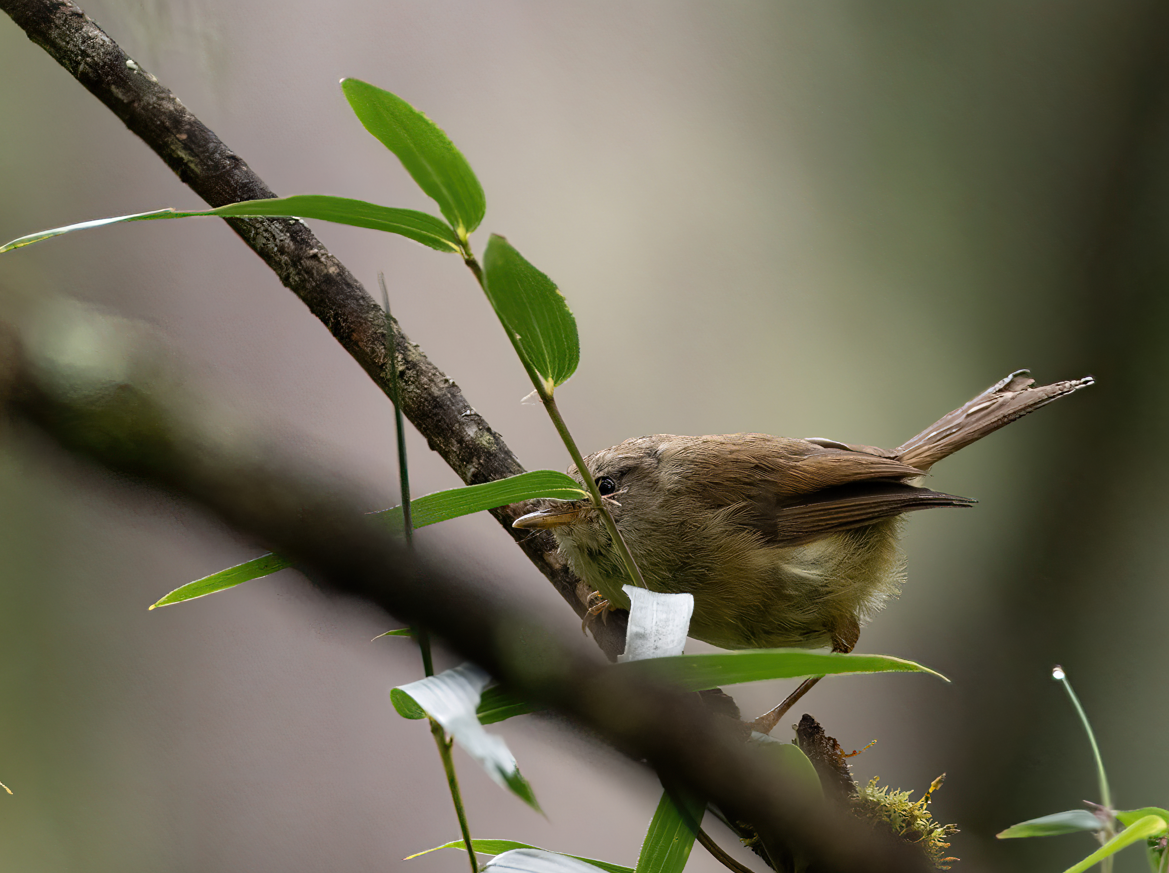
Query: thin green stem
{"points": [[452, 780], [420, 632], [544, 392], [1105, 795], [1109, 830]]}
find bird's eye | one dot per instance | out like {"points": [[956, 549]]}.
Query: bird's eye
{"points": [[606, 485]]}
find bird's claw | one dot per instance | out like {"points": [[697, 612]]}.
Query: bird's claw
{"points": [[596, 605]]}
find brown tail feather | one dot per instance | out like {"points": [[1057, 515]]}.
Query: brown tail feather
{"points": [[998, 405]]}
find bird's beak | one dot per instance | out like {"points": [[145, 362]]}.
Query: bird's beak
{"points": [[544, 519]]}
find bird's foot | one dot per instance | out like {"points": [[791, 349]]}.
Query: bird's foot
{"points": [[596, 605]]}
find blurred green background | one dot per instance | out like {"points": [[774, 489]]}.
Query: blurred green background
{"points": [[837, 219]]}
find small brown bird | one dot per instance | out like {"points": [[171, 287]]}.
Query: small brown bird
{"points": [[782, 542]]}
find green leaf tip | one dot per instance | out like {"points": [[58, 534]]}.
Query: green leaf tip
{"points": [[533, 312], [262, 566], [1072, 821], [426, 510], [417, 226], [427, 153], [713, 669]]}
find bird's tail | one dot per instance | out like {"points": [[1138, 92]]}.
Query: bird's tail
{"points": [[998, 405]]}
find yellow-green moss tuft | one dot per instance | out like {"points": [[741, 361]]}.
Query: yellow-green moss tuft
{"points": [[908, 819]]}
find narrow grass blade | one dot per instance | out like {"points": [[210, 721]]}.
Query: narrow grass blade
{"points": [[427, 510], [417, 226], [264, 565], [699, 672]]}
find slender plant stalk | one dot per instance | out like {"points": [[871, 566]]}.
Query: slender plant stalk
{"points": [[452, 780], [720, 854], [1105, 795], [1109, 831], [544, 392], [420, 632]]}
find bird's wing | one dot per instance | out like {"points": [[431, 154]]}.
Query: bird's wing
{"points": [[796, 491], [845, 507]]}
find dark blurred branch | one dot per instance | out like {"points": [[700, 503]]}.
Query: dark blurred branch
{"points": [[121, 409], [433, 403]]}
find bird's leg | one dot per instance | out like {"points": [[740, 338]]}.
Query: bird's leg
{"points": [[766, 723], [596, 605], [843, 640]]}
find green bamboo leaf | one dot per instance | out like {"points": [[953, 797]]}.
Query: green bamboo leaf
{"points": [[499, 703], [710, 670], [20, 242], [498, 847], [1149, 826], [495, 704], [1132, 816], [670, 837], [397, 632], [418, 226], [451, 698], [426, 510], [533, 311], [456, 502], [264, 565], [1071, 822], [425, 151]]}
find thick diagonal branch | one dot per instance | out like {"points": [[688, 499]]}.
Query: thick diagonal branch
{"points": [[433, 403], [126, 413]]}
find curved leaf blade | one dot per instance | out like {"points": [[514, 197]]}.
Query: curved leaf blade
{"points": [[533, 312], [426, 510], [710, 670], [31, 238], [1073, 821], [417, 226], [500, 704], [410, 223], [1132, 816], [265, 565], [425, 151], [1149, 826], [456, 502]]}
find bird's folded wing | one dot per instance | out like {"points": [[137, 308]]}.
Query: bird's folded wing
{"points": [[846, 507]]}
